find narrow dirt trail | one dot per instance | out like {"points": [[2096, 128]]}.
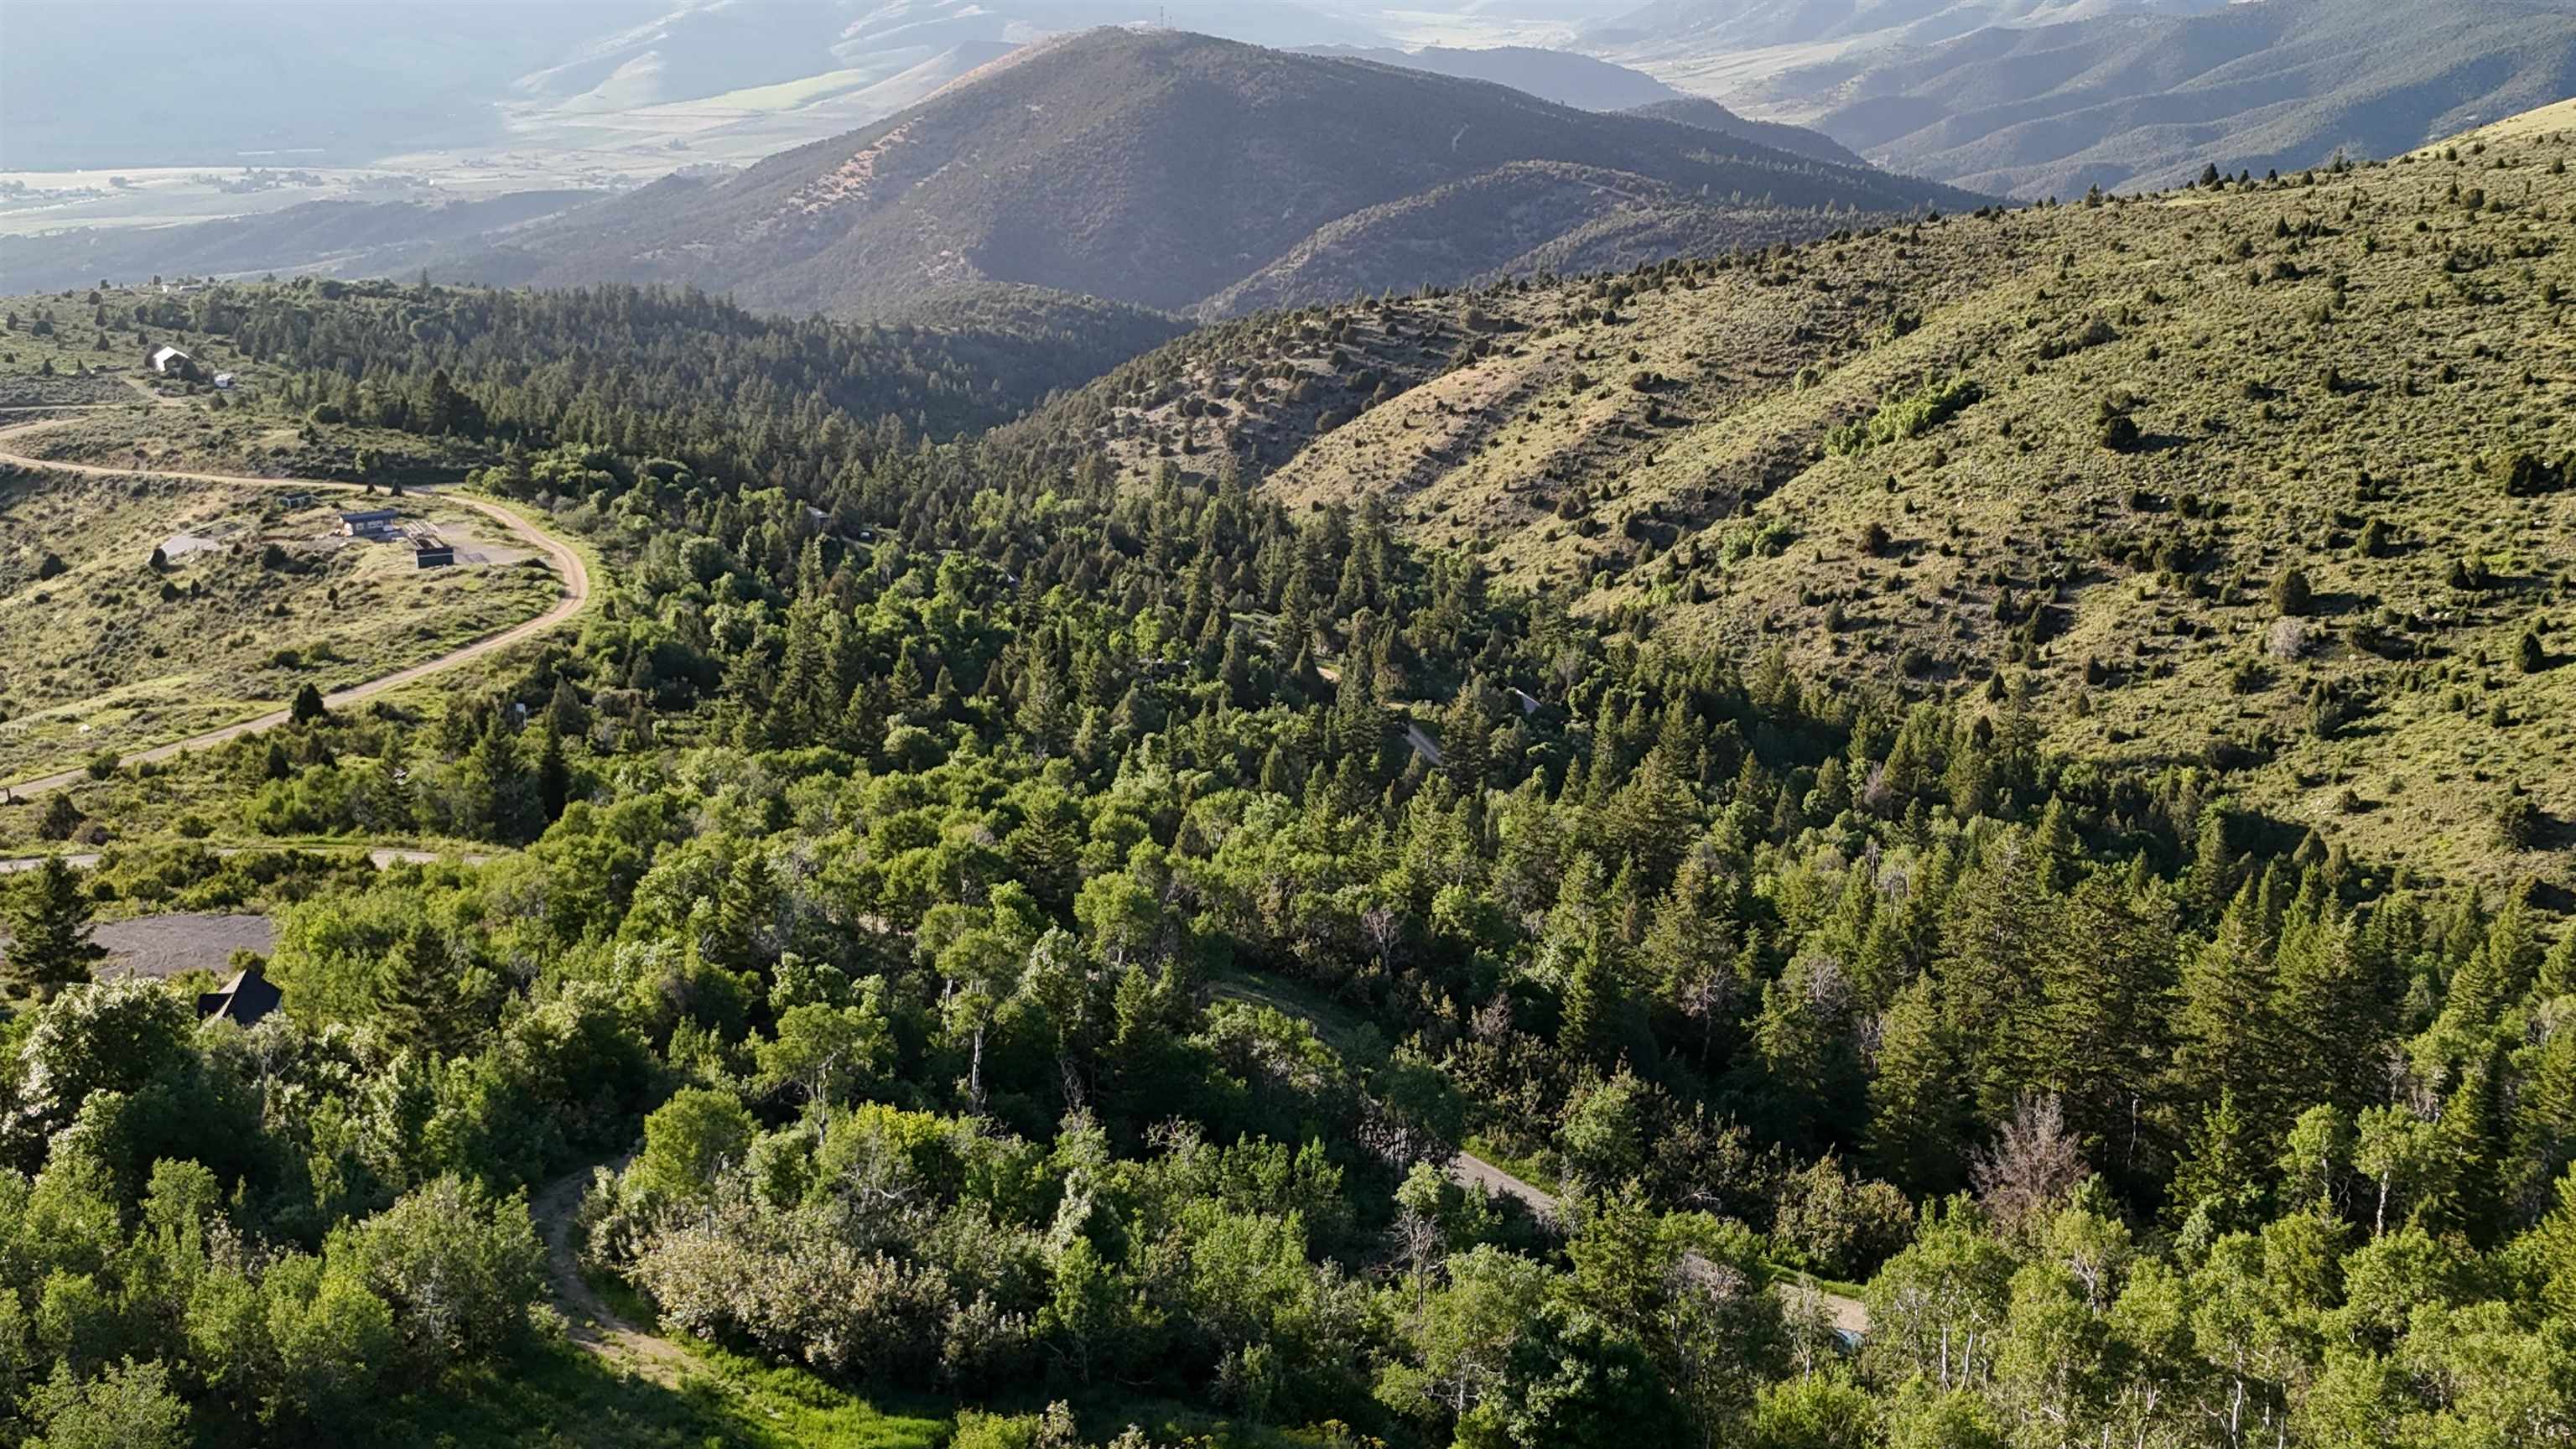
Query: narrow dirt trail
{"points": [[1849, 1315], [592, 1324], [566, 560]]}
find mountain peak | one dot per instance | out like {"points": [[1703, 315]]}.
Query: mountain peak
{"points": [[1163, 168]]}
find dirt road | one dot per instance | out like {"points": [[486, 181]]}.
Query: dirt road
{"points": [[384, 856], [566, 561], [1850, 1315], [591, 1323]]}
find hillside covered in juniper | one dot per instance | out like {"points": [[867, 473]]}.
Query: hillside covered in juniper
{"points": [[2264, 473]]}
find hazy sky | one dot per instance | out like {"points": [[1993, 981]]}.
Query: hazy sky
{"points": [[118, 83]]}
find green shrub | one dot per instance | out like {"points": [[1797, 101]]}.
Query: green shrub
{"points": [[1910, 415], [2291, 596], [2518, 823]]}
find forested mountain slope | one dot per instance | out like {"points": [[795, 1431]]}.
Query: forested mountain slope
{"points": [[2267, 474], [1155, 168], [663, 372], [999, 943]]}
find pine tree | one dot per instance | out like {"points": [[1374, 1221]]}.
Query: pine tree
{"points": [[49, 944], [2103, 1034], [554, 778], [2327, 1002], [566, 715], [1916, 1111], [500, 802], [2213, 864], [2226, 1042], [2216, 1174], [1689, 950], [1989, 984], [420, 992]]}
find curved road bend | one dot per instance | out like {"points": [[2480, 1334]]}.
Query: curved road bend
{"points": [[567, 563]]}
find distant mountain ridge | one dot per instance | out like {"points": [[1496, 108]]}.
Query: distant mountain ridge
{"points": [[332, 238], [1590, 84], [1562, 76], [1751, 24], [1152, 167], [1708, 115], [2131, 101]]}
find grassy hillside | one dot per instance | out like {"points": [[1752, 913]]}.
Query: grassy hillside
{"points": [[2077, 449], [1514, 220], [1156, 168], [2129, 101], [100, 650]]}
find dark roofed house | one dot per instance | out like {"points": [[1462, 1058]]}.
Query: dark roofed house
{"points": [[368, 523], [245, 999]]}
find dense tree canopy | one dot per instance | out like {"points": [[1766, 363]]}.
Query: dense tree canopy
{"points": [[1043, 940]]}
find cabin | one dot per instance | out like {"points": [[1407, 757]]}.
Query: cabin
{"points": [[245, 999], [368, 523], [433, 553], [171, 362]]}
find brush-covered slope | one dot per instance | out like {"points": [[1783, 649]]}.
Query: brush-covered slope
{"points": [[1515, 220], [1156, 168], [2130, 101], [2277, 480]]}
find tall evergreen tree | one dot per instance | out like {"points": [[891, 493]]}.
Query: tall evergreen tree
{"points": [[49, 944], [1918, 1112]]}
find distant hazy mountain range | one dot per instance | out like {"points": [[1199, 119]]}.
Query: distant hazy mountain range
{"points": [[1590, 84], [1169, 170], [2036, 98], [1562, 76], [1682, 28], [1219, 188], [135, 83]]}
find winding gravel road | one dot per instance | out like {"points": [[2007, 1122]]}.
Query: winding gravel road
{"points": [[567, 563]]}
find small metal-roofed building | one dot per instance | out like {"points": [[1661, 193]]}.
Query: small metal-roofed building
{"points": [[429, 551], [171, 362], [244, 999], [368, 523]]}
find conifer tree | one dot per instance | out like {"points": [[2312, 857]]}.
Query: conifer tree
{"points": [[2226, 1044], [49, 945], [2102, 1037], [420, 992], [1917, 1111]]}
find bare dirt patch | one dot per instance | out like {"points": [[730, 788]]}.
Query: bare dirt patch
{"points": [[161, 946]]}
